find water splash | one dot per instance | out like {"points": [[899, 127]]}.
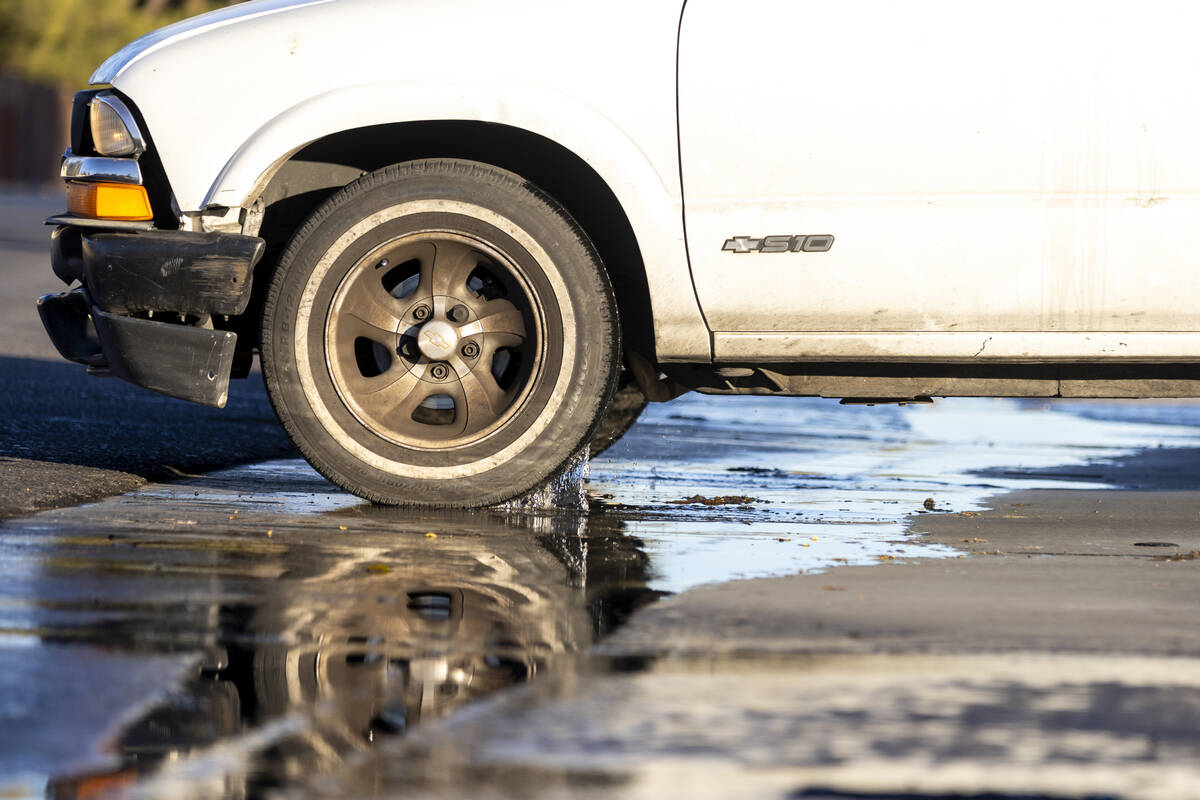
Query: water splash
{"points": [[565, 491]]}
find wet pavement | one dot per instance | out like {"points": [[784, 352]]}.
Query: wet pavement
{"points": [[766, 597], [271, 617]]}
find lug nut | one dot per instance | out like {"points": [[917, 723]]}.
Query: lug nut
{"points": [[459, 314], [470, 350], [421, 312], [439, 372]]}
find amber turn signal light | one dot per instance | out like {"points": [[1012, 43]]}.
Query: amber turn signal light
{"points": [[117, 201]]}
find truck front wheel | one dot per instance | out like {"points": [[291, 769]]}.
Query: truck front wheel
{"points": [[440, 333]]}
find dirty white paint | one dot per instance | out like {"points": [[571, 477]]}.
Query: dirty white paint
{"points": [[305, 70], [908, 346], [1023, 167]]}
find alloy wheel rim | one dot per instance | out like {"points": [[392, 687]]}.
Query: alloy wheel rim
{"points": [[433, 340]]}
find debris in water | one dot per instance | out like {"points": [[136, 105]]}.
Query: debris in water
{"points": [[430, 535], [930, 505], [719, 500], [766, 471], [378, 569], [1192, 556], [1155, 544], [179, 473]]}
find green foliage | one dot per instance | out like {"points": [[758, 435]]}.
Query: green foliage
{"points": [[63, 41]]}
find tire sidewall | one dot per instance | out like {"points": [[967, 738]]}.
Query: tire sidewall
{"points": [[556, 263]]}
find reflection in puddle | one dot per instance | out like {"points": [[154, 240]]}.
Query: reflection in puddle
{"points": [[306, 628], [829, 726]]}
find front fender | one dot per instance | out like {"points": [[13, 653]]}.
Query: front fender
{"points": [[650, 198], [597, 79], [553, 115]]}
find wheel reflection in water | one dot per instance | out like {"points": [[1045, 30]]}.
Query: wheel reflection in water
{"points": [[356, 643]]}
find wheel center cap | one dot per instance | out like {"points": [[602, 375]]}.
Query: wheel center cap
{"points": [[437, 340]]}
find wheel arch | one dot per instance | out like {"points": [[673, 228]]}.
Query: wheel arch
{"points": [[299, 183]]}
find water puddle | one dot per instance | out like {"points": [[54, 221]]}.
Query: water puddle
{"points": [[237, 638], [828, 485]]}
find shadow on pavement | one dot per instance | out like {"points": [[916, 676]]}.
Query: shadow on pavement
{"points": [[1163, 469], [66, 437]]}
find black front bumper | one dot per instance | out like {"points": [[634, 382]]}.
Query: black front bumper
{"points": [[128, 278]]}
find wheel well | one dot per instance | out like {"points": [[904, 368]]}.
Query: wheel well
{"points": [[324, 166]]}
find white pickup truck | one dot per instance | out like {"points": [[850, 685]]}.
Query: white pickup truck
{"points": [[448, 228]]}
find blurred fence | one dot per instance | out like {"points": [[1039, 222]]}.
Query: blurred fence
{"points": [[34, 130]]}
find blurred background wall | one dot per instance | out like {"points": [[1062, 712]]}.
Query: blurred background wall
{"points": [[48, 48]]}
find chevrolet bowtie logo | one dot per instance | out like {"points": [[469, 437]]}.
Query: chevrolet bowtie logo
{"points": [[436, 339], [742, 244]]}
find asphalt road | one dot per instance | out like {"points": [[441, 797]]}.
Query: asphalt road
{"points": [[66, 437], [818, 631], [767, 598]]}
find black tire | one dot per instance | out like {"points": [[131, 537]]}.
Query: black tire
{"points": [[466, 373], [627, 405]]}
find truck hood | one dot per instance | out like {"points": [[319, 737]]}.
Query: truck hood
{"points": [[164, 37]]}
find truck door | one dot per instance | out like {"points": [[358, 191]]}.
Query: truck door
{"points": [[873, 167]]}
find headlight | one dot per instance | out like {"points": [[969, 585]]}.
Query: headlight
{"points": [[114, 133]]}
